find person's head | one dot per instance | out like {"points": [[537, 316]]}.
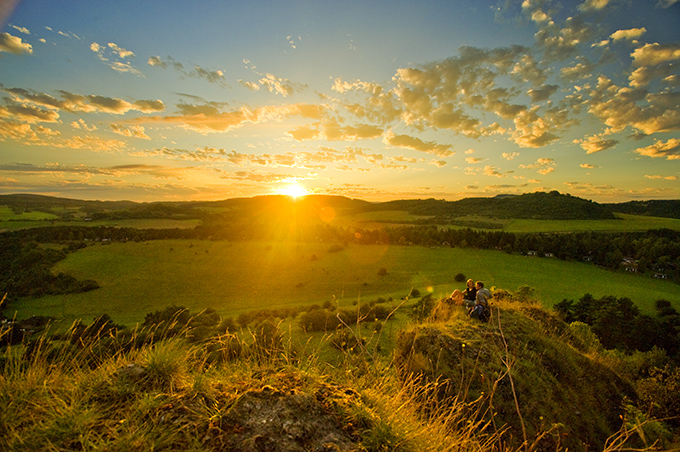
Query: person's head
{"points": [[470, 283], [479, 285]]}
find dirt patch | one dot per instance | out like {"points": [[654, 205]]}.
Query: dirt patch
{"points": [[275, 421]]}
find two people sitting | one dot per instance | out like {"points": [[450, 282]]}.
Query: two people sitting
{"points": [[475, 298]]}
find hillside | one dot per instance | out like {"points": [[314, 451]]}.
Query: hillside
{"points": [[48, 203], [537, 206], [450, 384], [664, 208]]}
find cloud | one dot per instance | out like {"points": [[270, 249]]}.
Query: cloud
{"points": [[121, 52], [658, 176], [14, 45], [254, 176], [669, 150], [630, 34], [332, 130], [653, 54], [578, 71], [644, 75], [587, 166], [111, 52], [473, 160], [158, 62], [209, 118], [250, 85], [560, 43], [532, 131], [509, 155], [542, 93], [28, 113], [71, 102], [543, 166], [280, 85], [595, 143], [593, 5], [81, 125], [216, 76], [88, 171], [135, 131], [620, 107], [416, 144], [493, 171], [23, 30]]}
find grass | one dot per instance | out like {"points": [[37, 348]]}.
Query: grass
{"points": [[138, 278], [167, 396], [624, 223], [7, 214], [130, 223], [110, 394]]}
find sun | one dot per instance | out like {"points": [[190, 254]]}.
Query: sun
{"points": [[293, 190]]}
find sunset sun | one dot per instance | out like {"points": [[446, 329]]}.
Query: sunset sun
{"points": [[294, 190]]}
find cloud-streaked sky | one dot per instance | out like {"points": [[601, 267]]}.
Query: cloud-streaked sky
{"points": [[378, 100]]}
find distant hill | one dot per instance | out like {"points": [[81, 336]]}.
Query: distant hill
{"points": [[537, 206], [666, 208], [46, 203]]}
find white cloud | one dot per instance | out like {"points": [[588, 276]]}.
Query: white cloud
{"points": [[14, 45]]}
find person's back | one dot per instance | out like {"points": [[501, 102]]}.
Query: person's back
{"points": [[481, 308]]}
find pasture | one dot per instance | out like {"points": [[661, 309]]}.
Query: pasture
{"points": [[234, 277]]}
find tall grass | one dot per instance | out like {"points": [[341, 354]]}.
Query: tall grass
{"points": [[158, 389]]}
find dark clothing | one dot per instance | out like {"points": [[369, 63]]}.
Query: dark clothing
{"points": [[469, 297]]}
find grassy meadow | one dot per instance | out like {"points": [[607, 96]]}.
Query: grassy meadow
{"points": [[235, 277]]}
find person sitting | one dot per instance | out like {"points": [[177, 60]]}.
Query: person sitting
{"points": [[469, 294], [456, 298], [480, 311]]}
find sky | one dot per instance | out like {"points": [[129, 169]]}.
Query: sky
{"points": [[376, 100]]}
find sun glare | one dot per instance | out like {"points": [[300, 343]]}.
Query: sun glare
{"points": [[294, 190]]}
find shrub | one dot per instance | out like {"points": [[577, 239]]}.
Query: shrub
{"points": [[422, 309], [660, 392], [318, 320], [459, 277], [346, 340]]}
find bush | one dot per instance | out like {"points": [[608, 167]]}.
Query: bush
{"points": [[459, 277], [318, 320], [422, 309], [660, 392], [345, 340]]}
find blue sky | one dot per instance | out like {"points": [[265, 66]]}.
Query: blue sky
{"points": [[151, 101]]}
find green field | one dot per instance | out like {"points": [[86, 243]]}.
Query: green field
{"points": [[142, 223], [625, 223], [233, 277]]}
